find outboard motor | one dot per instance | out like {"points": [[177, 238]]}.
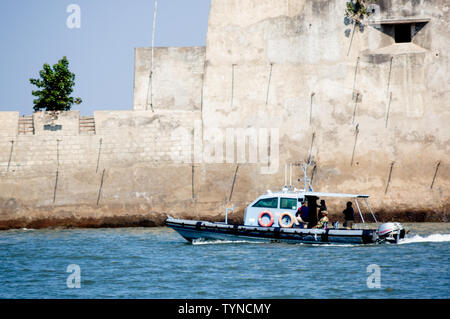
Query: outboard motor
{"points": [[391, 232]]}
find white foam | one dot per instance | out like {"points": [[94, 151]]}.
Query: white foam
{"points": [[215, 242], [433, 238], [334, 245]]}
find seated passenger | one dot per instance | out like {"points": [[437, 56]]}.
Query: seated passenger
{"points": [[323, 222], [322, 207], [302, 215]]}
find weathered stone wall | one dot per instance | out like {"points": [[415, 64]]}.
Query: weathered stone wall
{"points": [[177, 78], [121, 137], [51, 177], [373, 114], [295, 65]]}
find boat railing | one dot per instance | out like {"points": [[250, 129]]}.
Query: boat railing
{"points": [[226, 212], [370, 209]]}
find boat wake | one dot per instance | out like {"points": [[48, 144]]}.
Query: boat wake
{"points": [[434, 238], [216, 242], [333, 245]]}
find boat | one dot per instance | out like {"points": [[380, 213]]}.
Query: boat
{"points": [[271, 218]]}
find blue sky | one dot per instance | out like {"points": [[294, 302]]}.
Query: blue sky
{"points": [[100, 53]]}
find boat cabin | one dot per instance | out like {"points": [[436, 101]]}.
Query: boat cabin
{"points": [[287, 201], [276, 203]]}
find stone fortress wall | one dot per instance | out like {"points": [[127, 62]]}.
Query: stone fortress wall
{"points": [[372, 113]]}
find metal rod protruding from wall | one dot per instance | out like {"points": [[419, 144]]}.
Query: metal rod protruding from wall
{"points": [[389, 76], [351, 39], [354, 109], [312, 174], [203, 85], [310, 108], [389, 178], [354, 145], [354, 78], [435, 174], [99, 151], [10, 155], [100, 188], [234, 181], [388, 109], [268, 83], [56, 186], [57, 152]]}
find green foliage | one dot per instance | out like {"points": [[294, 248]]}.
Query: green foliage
{"points": [[357, 9], [56, 86]]}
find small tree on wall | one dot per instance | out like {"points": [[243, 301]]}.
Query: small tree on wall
{"points": [[355, 12], [55, 86], [358, 9]]}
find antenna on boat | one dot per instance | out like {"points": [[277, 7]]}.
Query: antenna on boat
{"points": [[290, 175], [286, 186], [305, 166]]}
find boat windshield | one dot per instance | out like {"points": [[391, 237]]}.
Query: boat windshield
{"points": [[271, 202]]}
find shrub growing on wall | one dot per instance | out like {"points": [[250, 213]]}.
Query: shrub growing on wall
{"points": [[358, 9], [55, 86]]}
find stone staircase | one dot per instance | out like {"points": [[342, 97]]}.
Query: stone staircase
{"points": [[87, 125], [26, 125]]}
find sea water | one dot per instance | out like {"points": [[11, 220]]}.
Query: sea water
{"points": [[158, 263]]}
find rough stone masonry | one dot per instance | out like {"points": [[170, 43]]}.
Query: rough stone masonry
{"points": [[369, 103]]}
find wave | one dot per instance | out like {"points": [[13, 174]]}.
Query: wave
{"points": [[433, 238]]}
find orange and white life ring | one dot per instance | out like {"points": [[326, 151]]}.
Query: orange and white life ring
{"points": [[263, 213], [291, 220]]}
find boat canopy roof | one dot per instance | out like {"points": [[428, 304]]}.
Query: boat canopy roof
{"points": [[319, 194], [302, 193]]}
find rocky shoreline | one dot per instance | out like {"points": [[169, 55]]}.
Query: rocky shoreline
{"points": [[155, 219]]}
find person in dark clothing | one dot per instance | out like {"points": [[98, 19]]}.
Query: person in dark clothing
{"points": [[302, 214], [322, 207], [349, 215]]}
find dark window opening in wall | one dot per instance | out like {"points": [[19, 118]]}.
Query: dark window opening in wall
{"points": [[402, 32]]}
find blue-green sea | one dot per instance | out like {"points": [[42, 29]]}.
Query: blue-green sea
{"points": [[158, 263]]}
